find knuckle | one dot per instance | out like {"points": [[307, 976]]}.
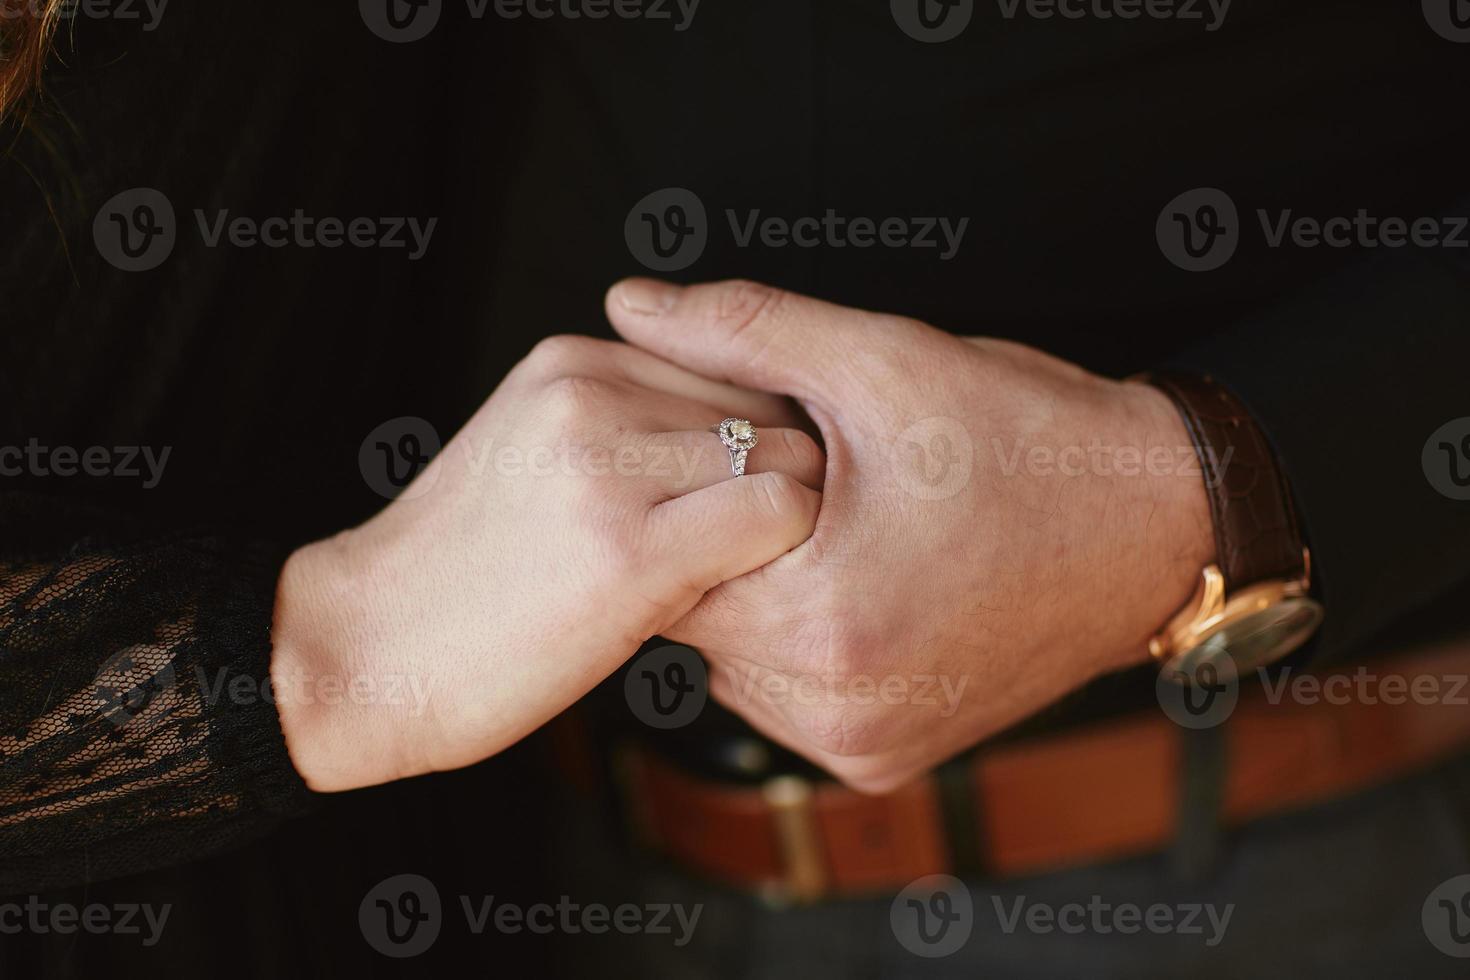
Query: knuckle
{"points": [[613, 531], [570, 398], [740, 303], [560, 353], [839, 652], [845, 648], [898, 324]]}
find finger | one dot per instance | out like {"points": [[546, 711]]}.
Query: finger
{"points": [[694, 460], [650, 371], [750, 334], [672, 439], [733, 527], [569, 355]]}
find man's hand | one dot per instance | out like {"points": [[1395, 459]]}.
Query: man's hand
{"points": [[998, 527]]}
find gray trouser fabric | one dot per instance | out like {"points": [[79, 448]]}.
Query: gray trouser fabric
{"points": [[1336, 891]]}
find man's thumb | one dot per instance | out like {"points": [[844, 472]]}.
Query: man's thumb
{"points": [[745, 333]]}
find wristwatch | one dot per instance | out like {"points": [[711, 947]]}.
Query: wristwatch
{"points": [[1253, 604]]}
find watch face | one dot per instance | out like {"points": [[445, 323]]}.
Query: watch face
{"points": [[1260, 637]]}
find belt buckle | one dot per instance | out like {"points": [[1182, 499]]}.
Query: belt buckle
{"points": [[792, 803]]}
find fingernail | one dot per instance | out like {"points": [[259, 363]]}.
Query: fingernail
{"points": [[649, 297]]}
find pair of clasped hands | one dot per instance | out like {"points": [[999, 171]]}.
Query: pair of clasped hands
{"points": [[836, 566]]}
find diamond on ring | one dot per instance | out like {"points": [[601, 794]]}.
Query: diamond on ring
{"points": [[739, 437]]}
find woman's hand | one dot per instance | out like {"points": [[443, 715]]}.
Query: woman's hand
{"points": [[584, 508]]}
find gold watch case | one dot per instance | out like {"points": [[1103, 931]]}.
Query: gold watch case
{"points": [[1257, 625]]}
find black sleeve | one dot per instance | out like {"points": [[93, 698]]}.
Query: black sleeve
{"points": [[136, 725], [1349, 379]]}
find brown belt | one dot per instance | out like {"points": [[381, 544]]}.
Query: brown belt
{"points": [[1107, 791]]}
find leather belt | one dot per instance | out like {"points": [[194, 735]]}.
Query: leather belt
{"points": [[1106, 791]]}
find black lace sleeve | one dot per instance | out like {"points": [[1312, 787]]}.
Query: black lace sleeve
{"points": [[136, 723]]}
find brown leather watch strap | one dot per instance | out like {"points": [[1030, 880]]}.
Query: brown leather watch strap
{"points": [[1256, 533]]}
